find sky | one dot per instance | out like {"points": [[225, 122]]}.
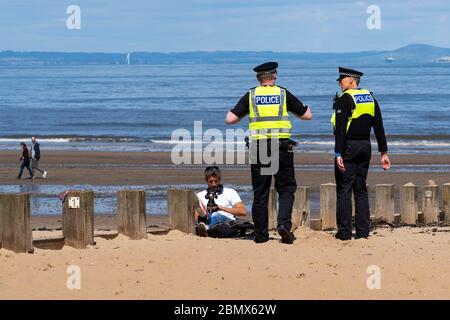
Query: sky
{"points": [[221, 25]]}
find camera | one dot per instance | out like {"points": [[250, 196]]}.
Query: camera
{"points": [[211, 206]]}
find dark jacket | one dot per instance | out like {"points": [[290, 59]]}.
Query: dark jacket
{"points": [[25, 155], [360, 128], [37, 151]]}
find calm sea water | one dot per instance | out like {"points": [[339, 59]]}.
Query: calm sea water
{"points": [[136, 108]]}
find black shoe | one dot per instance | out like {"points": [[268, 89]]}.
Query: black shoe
{"points": [[260, 240], [286, 236], [342, 237], [363, 237]]}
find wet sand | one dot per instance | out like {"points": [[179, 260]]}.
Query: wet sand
{"points": [[140, 168], [156, 168]]}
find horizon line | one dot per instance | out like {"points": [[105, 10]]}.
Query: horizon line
{"points": [[224, 51]]}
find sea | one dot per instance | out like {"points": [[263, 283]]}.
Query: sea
{"points": [[126, 108]]}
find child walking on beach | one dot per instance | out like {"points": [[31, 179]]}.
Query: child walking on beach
{"points": [[25, 161]]}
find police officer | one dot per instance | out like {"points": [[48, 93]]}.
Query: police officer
{"points": [[355, 113], [267, 106]]}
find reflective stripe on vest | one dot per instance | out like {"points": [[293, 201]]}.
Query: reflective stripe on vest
{"points": [[364, 104], [268, 116]]}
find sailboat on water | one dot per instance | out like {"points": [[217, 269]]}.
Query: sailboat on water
{"points": [[128, 59], [390, 58]]}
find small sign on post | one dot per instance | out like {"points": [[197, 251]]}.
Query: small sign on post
{"points": [[74, 202]]}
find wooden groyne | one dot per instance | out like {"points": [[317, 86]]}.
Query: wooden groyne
{"points": [[78, 212]]}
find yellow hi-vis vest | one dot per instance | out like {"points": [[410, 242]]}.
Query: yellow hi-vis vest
{"points": [[268, 116], [364, 104]]}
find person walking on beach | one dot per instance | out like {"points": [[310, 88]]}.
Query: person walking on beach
{"points": [[25, 161], [269, 123], [355, 113], [35, 156]]}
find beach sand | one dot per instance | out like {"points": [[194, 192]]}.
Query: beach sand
{"points": [[414, 262]]}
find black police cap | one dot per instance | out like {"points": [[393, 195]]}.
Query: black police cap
{"points": [[266, 68], [347, 72]]}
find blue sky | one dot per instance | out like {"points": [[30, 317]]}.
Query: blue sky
{"points": [[209, 25]]}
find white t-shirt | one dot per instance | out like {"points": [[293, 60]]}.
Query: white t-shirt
{"points": [[228, 198]]}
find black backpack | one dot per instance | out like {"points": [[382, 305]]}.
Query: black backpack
{"points": [[231, 229]]}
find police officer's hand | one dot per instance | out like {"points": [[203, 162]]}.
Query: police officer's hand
{"points": [[340, 164], [385, 162]]}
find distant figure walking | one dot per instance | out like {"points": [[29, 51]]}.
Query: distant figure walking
{"points": [[25, 161], [35, 156]]}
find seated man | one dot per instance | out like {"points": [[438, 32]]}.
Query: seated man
{"points": [[216, 204]]}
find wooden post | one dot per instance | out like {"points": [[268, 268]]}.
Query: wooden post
{"points": [[273, 215], [15, 227], [301, 213], [131, 214], [316, 224], [430, 203], [446, 201], [408, 203], [78, 219], [181, 207], [328, 205], [384, 201]]}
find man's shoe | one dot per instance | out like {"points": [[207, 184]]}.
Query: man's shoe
{"points": [[44, 175], [201, 229], [259, 240], [286, 236], [342, 237], [30, 177]]}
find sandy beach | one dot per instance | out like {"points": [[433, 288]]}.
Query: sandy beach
{"points": [[413, 264], [413, 261]]}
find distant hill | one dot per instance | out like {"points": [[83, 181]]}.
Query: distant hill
{"points": [[411, 54]]}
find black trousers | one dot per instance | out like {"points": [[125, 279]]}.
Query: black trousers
{"points": [[285, 185], [356, 160], [23, 165]]}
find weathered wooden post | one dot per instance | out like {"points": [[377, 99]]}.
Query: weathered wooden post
{"points": [[408, 203], [273, 213], [78, 219], [384, 201], [131, 214], [301, 212], [15, 227], [181, 207], [328, 205], [446, 201], [430, 203]]}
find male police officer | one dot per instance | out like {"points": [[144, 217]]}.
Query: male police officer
{"points": [[355, 113], [269, 123]]}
